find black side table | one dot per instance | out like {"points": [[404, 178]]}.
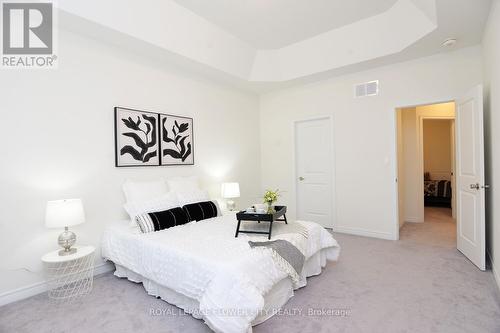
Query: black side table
{"points": [[280, 211]]}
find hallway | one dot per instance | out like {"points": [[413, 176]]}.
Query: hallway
{"points": [[439, 229]]}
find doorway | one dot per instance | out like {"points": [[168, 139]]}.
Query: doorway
{"points": [[314, 170], [438, 148], [415, 184], [426, 155]]}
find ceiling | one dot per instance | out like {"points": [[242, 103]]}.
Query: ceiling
{"points": [[270, 44], [272, 24]]}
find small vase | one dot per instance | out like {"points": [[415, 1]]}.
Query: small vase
{"points": [[270, 208]]}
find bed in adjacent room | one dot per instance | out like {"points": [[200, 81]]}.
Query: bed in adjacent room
{"points": [[437, 193], [202, 268]]}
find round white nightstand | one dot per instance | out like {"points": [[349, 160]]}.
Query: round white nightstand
{"points": [[69, 276]]}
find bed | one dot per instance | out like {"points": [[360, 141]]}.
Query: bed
{"points": [[437, 193], [203, 269]]}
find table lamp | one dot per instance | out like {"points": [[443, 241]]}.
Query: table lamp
{"points": [[65, 213], [230, 191]]}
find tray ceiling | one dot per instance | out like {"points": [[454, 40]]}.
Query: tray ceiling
{"points": [[271, 24]]}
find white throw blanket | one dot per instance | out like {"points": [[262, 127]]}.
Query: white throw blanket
{"points": [[204, 261]]}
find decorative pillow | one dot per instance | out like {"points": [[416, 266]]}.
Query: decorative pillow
{"points": [[201, 210], [140, 191], [189, 197], [160, 203], [183, 184], [161, 220]]}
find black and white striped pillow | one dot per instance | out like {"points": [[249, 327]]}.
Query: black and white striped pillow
{"points": [[201, 210], [157, 221]]}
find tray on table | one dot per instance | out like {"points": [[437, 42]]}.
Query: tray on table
{"points": [[279, 214]]}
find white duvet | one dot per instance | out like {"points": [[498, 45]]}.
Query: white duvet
{"points": [[204, 261]]}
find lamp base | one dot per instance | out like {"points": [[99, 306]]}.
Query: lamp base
{"points": [[230, 205], [67, 239], [67, 253]]}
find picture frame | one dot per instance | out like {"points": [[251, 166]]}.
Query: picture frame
{"points": [[176, 140], [137, 138], [144, 138]]}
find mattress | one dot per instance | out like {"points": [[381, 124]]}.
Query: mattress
{"points": [[202, 268]]}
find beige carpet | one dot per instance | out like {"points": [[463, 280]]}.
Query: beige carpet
{"points": [[418, 284]]}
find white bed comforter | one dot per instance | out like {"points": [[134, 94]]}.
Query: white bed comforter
{"points": [[204, 261]]}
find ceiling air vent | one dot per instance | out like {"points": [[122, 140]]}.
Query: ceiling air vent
{"points": [[366, 89]]}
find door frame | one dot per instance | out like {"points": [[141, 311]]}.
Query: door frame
{"points": [[421, 161], [395, 162], [333, 207]]}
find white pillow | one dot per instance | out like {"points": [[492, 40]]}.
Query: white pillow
{"points": [[158, 204], [140, 191], [183, 184], [219, 211], [187, 197]]}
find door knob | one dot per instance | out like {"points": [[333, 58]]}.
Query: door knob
{"points": [[301, 178], [475, 186], [486, 186]]}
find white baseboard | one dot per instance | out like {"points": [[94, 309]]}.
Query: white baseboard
{"points": [[413, 220], [22, 293], [41, 287], [496, 273], [365, 232]]}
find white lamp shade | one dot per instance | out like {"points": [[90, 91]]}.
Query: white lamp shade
{"points": [[64, 213], [230, 190]]}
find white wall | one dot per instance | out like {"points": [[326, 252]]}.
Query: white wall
{"points": [[58, 142], [437, 148], [365, 132], [491, 52], [411, 171]]}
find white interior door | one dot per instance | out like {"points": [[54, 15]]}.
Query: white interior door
{"points": [[314, 170], [470, 177]]}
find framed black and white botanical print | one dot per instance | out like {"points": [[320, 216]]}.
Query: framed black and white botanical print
{"points": [[137, 138], [177, 142]]}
